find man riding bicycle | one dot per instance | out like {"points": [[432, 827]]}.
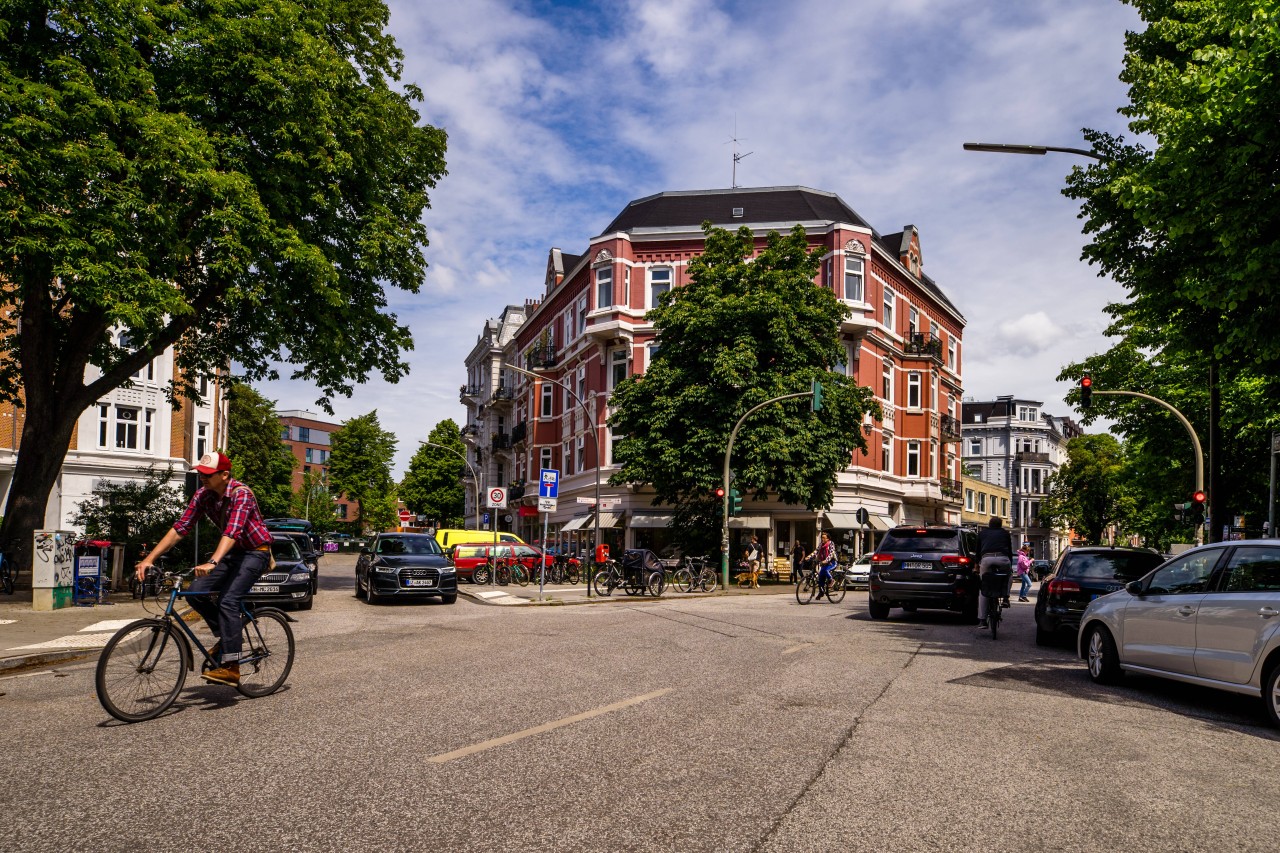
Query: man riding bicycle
{"points": [[826, 557], [995, 554], [242, 555]]}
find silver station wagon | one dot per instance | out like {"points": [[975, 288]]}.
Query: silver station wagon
{"points": [[1210, 616]]}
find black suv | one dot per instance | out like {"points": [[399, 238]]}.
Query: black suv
{"points": [[1080, 576], [934, 567]]}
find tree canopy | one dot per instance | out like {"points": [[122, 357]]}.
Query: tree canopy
{"points": [[360, 468], [242, 180], [750, 325], [131, 512], [433, 484], [1188, 227], [1086, 493], [259, 456]]}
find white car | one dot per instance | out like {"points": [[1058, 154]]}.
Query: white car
{"points": [[859, 574], [1210, 616]]}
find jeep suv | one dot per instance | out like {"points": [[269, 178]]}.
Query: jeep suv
{"points": [[931, 567]]}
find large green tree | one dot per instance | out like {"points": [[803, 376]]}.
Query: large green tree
{"points": [[1188, 227], [360, 468], [433, 484], [259, 456], [750, 325], [239, 179], [131, 512], [1086, 494], [314, 502]]}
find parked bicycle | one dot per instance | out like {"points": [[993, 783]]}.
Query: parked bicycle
{"points": [[695, 575], [8, 570], [143, 667], [633, 580]]}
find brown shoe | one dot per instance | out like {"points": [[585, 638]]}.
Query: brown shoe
{"points": [[226, 674]]}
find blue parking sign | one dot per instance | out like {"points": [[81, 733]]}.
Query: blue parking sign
{"points": [[549, 483]]}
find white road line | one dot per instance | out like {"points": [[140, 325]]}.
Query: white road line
{"points": [[7, 621], [72, 641], [108, 625], [545, 727], [488, 594], [26, 674]]}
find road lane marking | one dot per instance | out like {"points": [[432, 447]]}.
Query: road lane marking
{"points": [[25, 674], [545, 727], [71, 641], [108, 625]]}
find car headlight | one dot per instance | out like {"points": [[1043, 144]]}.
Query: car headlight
{"points": [[447, 570], [383, 567], [300, 577]]}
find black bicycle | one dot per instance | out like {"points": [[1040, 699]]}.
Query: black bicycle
{"points": [[993, 586], [8, 572], [143, 667]]}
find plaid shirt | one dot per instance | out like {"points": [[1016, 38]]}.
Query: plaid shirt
{"points": [[826, 553], [236, 513]]}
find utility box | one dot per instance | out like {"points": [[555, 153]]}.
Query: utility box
{"points": [[52, 569]]}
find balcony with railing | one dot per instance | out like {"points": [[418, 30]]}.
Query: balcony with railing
{"points": [[923, 345], [501, 441], [502, 395], [470, 432], [468, 393], [1025, 456], [949, 428], [951, 488], [519, 433], [540, 358]]}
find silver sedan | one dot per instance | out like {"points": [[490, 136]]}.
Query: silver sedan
{"points": [[1209, 616]]}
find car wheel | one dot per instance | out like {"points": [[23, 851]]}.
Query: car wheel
{"points": [[480, 575], [369, 594], [449, 599], [878, 609], [1104, 660], [1271, 693], [359, 591]]}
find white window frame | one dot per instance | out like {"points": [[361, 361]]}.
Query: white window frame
{"points": [[580, 453], [854, 278], [544, 457], [951, 353], [913, 389], [890, 300], [886, 453], [913, 459], [202, 439], [975, 447], [566, 457], [982, 502], [548, 400], [913, 320], [581, 320], [968, 500], [126, 427], [619, 357], [604, 287], [656, 286], [886, 382]]}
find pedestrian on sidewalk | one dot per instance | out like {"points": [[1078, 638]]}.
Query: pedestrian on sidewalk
{"points": [[1024, 571], [240, 558], [755, 553]]}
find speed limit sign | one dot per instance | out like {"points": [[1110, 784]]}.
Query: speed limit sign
{"points": [[497, 499]]}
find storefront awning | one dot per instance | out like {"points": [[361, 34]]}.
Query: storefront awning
{"points": [[842, 520], [650, 520], [575, 524], [881, 523], [610, 519], [750, 522]]}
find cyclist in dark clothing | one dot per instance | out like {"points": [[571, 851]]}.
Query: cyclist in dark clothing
{"points": [[995, 554]]}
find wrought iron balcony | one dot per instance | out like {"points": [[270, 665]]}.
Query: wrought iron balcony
{"points": [[951, 488], [519, 433], [1025, 456], [468, 391], [501, 441], [469, 431], [540, 358], [919, 344], [503, 394], [949, 428]]}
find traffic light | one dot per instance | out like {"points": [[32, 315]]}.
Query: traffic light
{"points": [[720, 492], [1180, 511], [735, 502], [1086, 391], [1195, 509], [815, 404]]}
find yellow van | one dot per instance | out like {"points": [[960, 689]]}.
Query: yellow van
{"points": [[447, 538]]}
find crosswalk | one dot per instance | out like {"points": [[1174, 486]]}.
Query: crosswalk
{"points": [[93, 636]]}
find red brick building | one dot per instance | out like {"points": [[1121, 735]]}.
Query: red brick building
{"points": [[308, 438], [902, 339]]}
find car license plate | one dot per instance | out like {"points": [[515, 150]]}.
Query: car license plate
{"points": [[266, 589], [420, 582], [917, 567]]}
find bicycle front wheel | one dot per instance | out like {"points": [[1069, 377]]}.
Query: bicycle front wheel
{"points": [[806, 588], [268, 654], [683, 580], [604, 583], [141, 670], [709, 580]]}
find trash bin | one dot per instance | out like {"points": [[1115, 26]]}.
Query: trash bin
{"points": [[602, 552], [91, 581]]}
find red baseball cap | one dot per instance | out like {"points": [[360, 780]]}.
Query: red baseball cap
{"points": [[212, 463]]}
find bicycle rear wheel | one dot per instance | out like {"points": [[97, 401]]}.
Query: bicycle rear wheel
{"points": [[993, 615], [806, 588], [503, 575], [571, 574], [604, 582], [836, 590], [709, 580], [683, 580], [141, 670], [519, 575], [268, 654]]}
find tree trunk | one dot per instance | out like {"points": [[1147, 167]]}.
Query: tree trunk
{"points": [[46, 435]]}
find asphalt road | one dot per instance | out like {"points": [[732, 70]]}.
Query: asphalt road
{"points": [[724, 723]]}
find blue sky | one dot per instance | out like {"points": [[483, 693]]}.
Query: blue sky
{"points": [[560, 113]]}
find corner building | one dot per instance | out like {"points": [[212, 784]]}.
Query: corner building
{"points": [[588, 330]]}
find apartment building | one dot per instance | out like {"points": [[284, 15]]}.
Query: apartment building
{"points": [[1012, 443], [587, 331], [308, 438]]}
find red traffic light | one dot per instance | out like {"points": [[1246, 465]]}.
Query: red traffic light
{"points": [[719, 492], [1086, 391], [1198, 497], [1086, 381]]}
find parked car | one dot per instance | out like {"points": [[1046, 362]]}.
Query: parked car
{"points": [[290, 582], [398, 565], [448, 537], [859, 575], [310, 556], [469, 558], [1210, 616], [295, 525], [1080, 576], [931, 567]]}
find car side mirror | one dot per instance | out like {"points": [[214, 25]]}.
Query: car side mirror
{"points": [[1134, 588], [364, 552]]}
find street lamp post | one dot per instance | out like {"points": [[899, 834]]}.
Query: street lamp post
{"points": [[474, 478], [595, 442]]}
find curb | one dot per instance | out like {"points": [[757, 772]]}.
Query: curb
{"points": [[20, 662]]}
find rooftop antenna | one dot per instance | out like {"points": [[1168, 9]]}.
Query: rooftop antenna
{"points": [[736, 156]]}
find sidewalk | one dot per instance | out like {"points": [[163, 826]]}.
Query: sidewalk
{"points": [[29, 638], [574, 594]]}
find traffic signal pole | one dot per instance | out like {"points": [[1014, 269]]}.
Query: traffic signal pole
{"points": [[1195, 442], [728, 453]]}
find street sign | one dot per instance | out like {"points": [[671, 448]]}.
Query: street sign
{"points": [[497, 498], [484, 519], [405, 516], [1275, 442], [549, 483], [546, 504]]}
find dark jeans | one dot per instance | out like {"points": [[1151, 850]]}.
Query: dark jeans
{"points": [[232, 578]]}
